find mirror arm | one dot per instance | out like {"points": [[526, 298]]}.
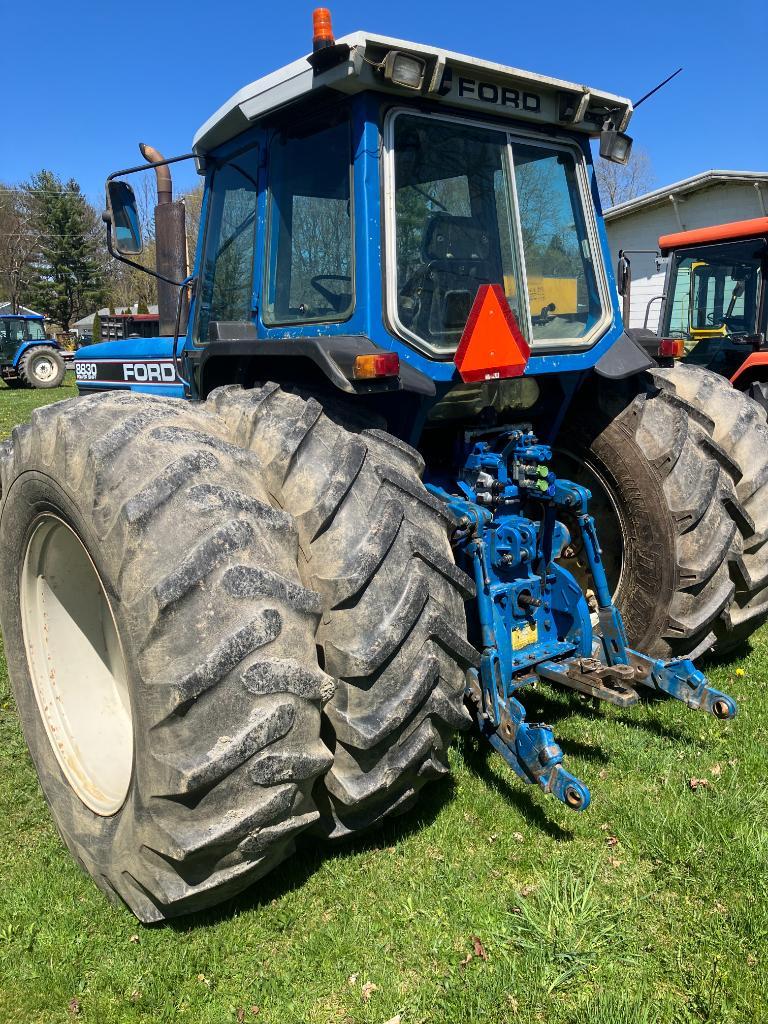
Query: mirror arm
{"points": [[108, 221], [132, 263], [152, 166]]}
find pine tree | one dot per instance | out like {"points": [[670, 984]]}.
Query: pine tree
{"points": [[67, 278], [142, 307], [96, 334]]}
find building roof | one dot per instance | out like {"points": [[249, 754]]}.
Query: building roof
{"points": [[697, 182], [736, 230], [452, 78], [5, 310]]}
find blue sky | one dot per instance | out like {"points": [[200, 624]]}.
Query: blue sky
{"points": [[92, 79]]}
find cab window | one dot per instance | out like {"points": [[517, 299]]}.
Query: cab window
{"points": [[225, 291], [562, 283], [716, 290], [35, 330], [453, 226], [309, 267], [475, 205]]}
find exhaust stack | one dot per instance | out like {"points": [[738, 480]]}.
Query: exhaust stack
{"points": [[170, 244]]}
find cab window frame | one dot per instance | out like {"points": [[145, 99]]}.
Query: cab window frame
{"points": [[552, 140]]}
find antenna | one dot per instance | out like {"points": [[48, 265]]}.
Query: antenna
{"points": [[656, 88]]}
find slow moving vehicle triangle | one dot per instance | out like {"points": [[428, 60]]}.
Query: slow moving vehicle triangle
{"points": [[492, 345]]}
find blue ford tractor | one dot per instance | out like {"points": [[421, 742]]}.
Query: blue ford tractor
{"points": [[28, 358], [267, 565]]}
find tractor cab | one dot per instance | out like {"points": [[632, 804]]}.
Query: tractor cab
{"points": [[17, 330], [714, 293], [356, 202]]}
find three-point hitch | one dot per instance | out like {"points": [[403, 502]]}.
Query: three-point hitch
{"points": [[534, 620]]}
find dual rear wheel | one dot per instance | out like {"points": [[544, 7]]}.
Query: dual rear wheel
{"points": [[235, 623], [226, 625]]}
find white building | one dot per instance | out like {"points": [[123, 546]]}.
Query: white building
{"points": [[712, 197]]}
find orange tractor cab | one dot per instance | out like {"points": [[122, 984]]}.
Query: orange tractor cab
{"points": [[714, 307]]}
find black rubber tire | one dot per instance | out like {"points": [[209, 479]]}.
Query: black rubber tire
{"points": [[758, 392], [218, 636], [32, 358], [685, 458], [393, 634]]}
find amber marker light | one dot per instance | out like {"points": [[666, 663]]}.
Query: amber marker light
{"points": [[322, 30]]}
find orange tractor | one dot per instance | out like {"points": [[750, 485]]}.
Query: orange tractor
{"points": [[714, 307]]}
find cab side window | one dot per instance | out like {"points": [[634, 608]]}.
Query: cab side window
{"points": [[309, 266], [225, 291]]}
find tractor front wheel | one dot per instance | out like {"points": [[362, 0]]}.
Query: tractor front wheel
{"points": [[677, 463], [161, 649]]}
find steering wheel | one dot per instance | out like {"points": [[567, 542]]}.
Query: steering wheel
{"points": [[338, 302]]}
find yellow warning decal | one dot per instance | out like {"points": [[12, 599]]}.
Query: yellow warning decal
{"points": [[525, 636]]}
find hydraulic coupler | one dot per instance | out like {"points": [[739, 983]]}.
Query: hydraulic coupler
{"points": [[531, 619]]}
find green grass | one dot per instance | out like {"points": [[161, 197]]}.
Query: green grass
{"points": [[651, 907]]}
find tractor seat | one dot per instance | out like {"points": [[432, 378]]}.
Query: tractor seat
{"points": [[456, 254], [454, 238]]}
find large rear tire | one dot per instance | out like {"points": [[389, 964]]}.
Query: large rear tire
{"points": [[677, 461], [374, 545], [161, 648]]}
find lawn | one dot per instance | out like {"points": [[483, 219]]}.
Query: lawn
{"points": [[491, 903]]}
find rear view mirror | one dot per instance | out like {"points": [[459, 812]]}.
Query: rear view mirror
{"points": [[123, 215], [623, 274]]}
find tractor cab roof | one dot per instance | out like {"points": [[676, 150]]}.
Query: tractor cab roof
{"points": [[739, 230], [364, 61]]}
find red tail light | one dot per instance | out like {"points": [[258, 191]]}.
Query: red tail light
{"points": [[672, 348], [387, 364]]}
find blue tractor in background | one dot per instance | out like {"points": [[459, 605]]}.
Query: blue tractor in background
{"points": [[393, 462], [28, 357]]}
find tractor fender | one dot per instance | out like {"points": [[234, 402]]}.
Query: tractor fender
{"points": [[755, 361], [332, 356], [624, 358], [26, 345]]}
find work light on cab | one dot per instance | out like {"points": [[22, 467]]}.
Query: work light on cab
{"points": [[614, 145], [404, 69]]}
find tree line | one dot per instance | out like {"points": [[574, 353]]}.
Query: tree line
{"points": [[53, 253]]}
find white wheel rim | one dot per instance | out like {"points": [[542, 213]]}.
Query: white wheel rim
{"points": [[44, 369], [77, 665]]}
